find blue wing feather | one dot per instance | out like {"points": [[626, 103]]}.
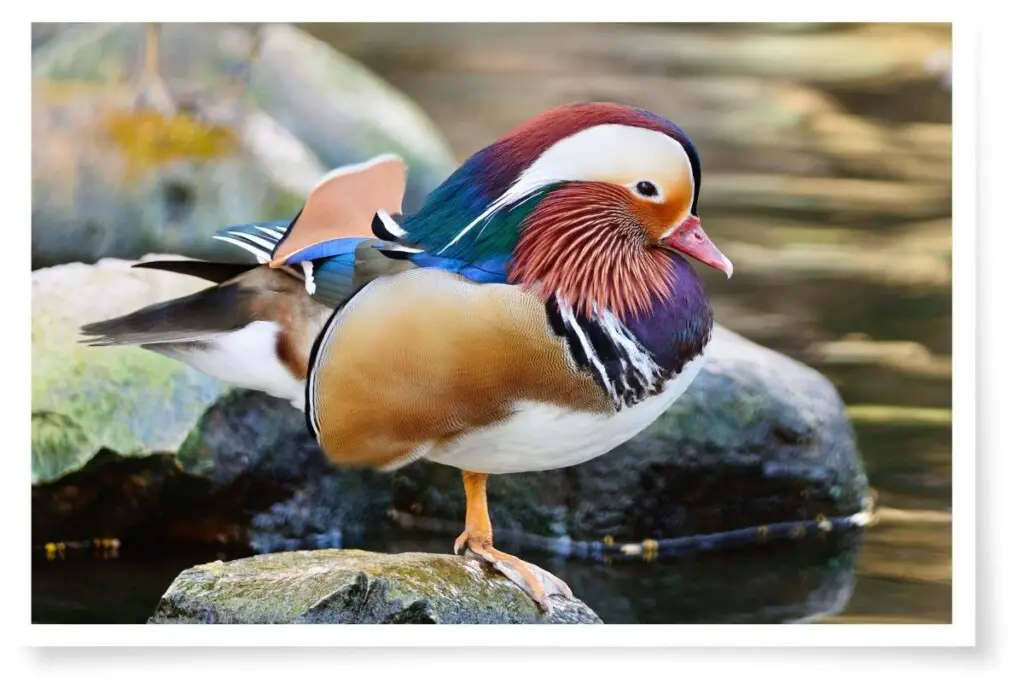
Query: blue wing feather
{"points": [[325, 250], [493, 270], [336, 271]]}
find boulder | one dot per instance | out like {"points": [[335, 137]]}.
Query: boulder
{"points": [[228, 131], [355, 587], [253, 442], [759, 438], [128, 442], [121, 399]]}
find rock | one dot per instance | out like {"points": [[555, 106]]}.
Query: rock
{"points": [[262, 444], [355, 114], [124, 399], [109, 497], [759, 438], [124, 164], [355, 587]]}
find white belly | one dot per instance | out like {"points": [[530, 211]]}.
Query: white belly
{"points": [[544, 437]]}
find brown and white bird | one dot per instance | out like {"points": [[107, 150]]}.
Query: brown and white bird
{"points": [[537, 311]]}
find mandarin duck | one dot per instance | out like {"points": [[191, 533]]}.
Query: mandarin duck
{"points": [[537, 311]]}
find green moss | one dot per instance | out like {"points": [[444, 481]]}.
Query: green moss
{"points": [[112, 395], [131, 401], [59, 446]]}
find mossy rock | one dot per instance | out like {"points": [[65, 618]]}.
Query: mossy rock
{"points": [[237, 126], [85, 399], [355, 587]]}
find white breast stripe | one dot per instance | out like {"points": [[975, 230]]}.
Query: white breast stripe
{"points": [[637, 357], [569, 319]]}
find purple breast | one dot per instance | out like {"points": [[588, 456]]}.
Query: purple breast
{"points": [[678, 328]]}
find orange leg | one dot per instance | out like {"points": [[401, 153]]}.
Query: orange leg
{"points": [[478, 539]]}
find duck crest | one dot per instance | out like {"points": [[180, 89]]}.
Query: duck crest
{"points": [[631, 359]]}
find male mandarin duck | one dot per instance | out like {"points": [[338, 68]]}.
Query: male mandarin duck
{"points": [[536, 312]]}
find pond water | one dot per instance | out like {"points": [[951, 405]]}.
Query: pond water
{"points": [[854, 285]]}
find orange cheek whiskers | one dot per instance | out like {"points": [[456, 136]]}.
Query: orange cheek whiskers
{"points": [[591, 257]]}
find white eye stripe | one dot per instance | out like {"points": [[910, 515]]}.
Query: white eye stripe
{"points": [[602, 153]]}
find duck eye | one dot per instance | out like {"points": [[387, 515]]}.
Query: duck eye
{"points": [[646, 188]]}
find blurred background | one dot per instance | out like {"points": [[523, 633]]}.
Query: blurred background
{"points": [[827, 180]]}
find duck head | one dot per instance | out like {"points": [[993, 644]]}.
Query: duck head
{"points": [[591, 202]]}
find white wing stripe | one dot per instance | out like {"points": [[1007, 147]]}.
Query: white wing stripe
{"points": [[252, 249], [269, 246], [271, 232]]}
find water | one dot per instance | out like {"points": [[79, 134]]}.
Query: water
{"points": [[862, 292]]}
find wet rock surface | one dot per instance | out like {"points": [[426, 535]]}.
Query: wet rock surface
{"points": [[355, 587], [778, 581]]}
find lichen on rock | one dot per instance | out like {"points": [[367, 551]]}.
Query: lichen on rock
{"points": [[355, 587]]}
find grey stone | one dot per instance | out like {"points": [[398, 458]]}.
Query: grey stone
{"points": [[355, 587]]}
